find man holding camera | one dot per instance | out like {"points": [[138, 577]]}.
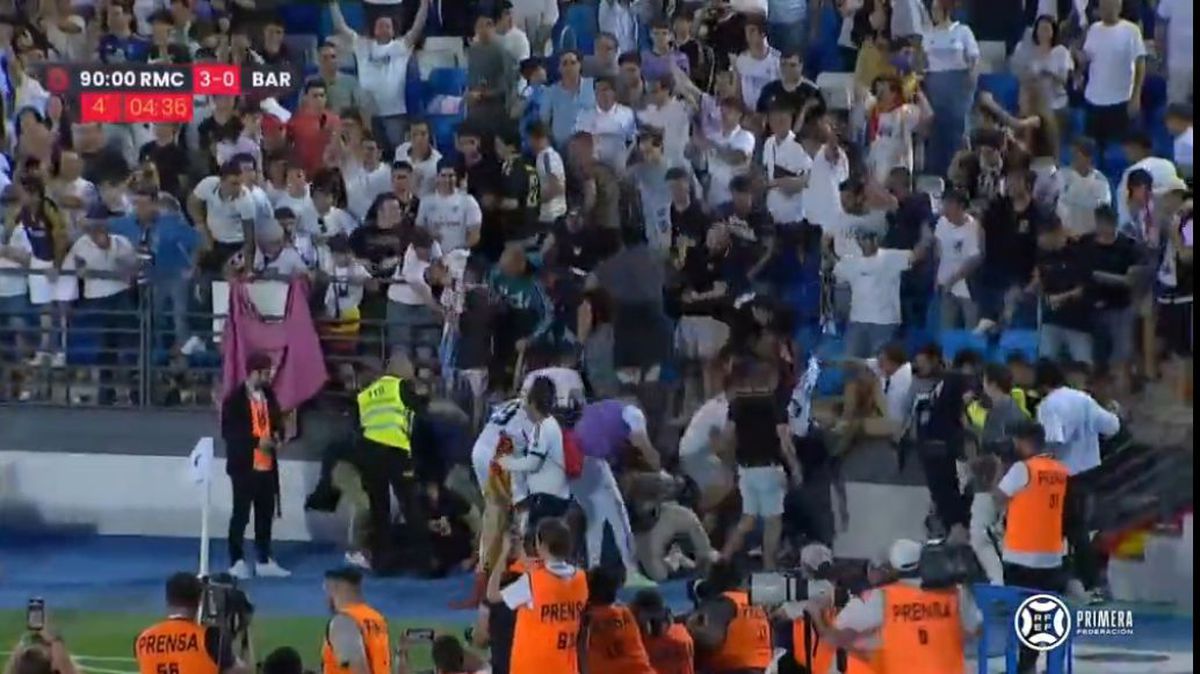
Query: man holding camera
{"points": [[733, 635], [180, 644], [903, 626], [356, 640]]}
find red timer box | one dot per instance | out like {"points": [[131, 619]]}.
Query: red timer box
{"points": [[135, 108]]}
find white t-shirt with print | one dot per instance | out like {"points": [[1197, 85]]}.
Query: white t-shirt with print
{"points": [[874, 285], [383, 72], [1112, 52], [951, 47], [223, 216], [449, 218], [956, 245], [755, 74]]}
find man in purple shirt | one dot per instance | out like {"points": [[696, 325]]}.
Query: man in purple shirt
{"points": [[658, 59]]}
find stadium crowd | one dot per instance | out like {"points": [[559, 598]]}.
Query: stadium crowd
{"points": [[827, 224]]}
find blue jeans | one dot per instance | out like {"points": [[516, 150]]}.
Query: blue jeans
{"points": [[173, 292], [951, 94], [1056, 339]]}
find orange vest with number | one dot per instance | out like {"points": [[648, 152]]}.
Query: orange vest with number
{"points": [[1035, 514], [260, 427], [545, 634], [823, 653], [922, 631], [673, 652], [174, 646], [747, 642], [376, 642], [615, 642]]}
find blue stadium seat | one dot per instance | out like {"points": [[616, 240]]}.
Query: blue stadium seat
{"points": [[1024, 342], [1113, 162], [1003, 87], [445, 82], [831, 382], [301, 17], [442, 127], [414, 89], [955, 341]]}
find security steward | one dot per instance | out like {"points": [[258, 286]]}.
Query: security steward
{"points": [[180, 644], [387, 409], [1035, 489], [733, 635], [356, 639], [668, 644], [903, 627]]}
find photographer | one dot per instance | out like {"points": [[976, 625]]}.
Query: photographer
{"points": [[449, 657], [903, 626], [181, 644], [356, 640], [42, 652], [668, 644], [732, 634]]}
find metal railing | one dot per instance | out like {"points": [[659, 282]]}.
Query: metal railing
{"points": [[126, 351]]}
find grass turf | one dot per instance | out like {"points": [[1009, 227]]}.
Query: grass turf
{"points": [[103, 642]]}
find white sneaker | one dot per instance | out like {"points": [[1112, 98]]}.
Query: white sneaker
{"points": [[240, 570], [58, 360], [270, 569], [193, 345], [358, 559], [637, 580]]}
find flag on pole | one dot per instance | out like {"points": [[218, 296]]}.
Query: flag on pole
{"points": [[200, 461]]}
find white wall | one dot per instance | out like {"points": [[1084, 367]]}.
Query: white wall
{"points": [[120, 494]]}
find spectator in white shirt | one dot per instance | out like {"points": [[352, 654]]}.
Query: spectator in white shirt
{"points": [[895, 374], [512, 38], [543, 464], [107, 263], [366, 177], [1139, 150], [1049, 64], [960, 251], [224, 211], [758, 66], [552, 176], [1179, 123], [331, 220], [1115, 56], [450, 214], [952, 56], [536, 18], [728, 152], [612, 126], [1082, 188], [830, 168], [295, 197], [874, 281], [787, 166], [670, 116], [414, 315], [421, 155], [894, 123], [1176, 35], [1074, 423]]}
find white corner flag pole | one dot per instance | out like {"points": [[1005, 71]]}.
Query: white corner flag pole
{"points": [[200, 471]]}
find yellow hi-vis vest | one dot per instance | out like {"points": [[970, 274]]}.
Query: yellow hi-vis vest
{"points": [[383, 415]]}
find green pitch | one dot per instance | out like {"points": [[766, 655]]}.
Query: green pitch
{"points": [[103, 642]]}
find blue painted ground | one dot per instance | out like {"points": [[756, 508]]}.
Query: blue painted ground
{"points": [[126, 574]]}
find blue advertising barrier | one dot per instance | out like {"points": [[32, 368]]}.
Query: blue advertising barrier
{"points": [[999, 606]]}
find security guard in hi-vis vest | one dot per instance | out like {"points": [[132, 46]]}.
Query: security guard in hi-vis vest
{"points": [[386, 411], [903, 628], [356, 639], [181, 645]]}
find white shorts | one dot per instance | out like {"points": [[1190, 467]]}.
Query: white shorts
{"points": [[43, 291], [700, 336], [762, 489]]}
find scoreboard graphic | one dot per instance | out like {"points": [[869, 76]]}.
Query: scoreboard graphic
{"points": [[141, 93]]}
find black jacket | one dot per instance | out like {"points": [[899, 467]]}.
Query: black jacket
{"points": [[235, 430]]}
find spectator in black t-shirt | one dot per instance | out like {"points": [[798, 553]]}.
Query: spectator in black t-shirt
{"points": [[710, 274], [576, 243], [792, 91], [758, 430], [749, 224], [169, 159], [689, 222], [724, 30], [482, 172], [519, 193], [274, 52], [1113, 258], [1010, 227], [910, 223], [1063, 279]]}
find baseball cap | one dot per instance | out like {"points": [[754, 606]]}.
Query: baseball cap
{"points": [[815, 555], [1172, 184], [905, 555]]}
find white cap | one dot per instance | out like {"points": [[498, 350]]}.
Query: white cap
{"points": [[905, 555], [813, 555], [1172, 184]]}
